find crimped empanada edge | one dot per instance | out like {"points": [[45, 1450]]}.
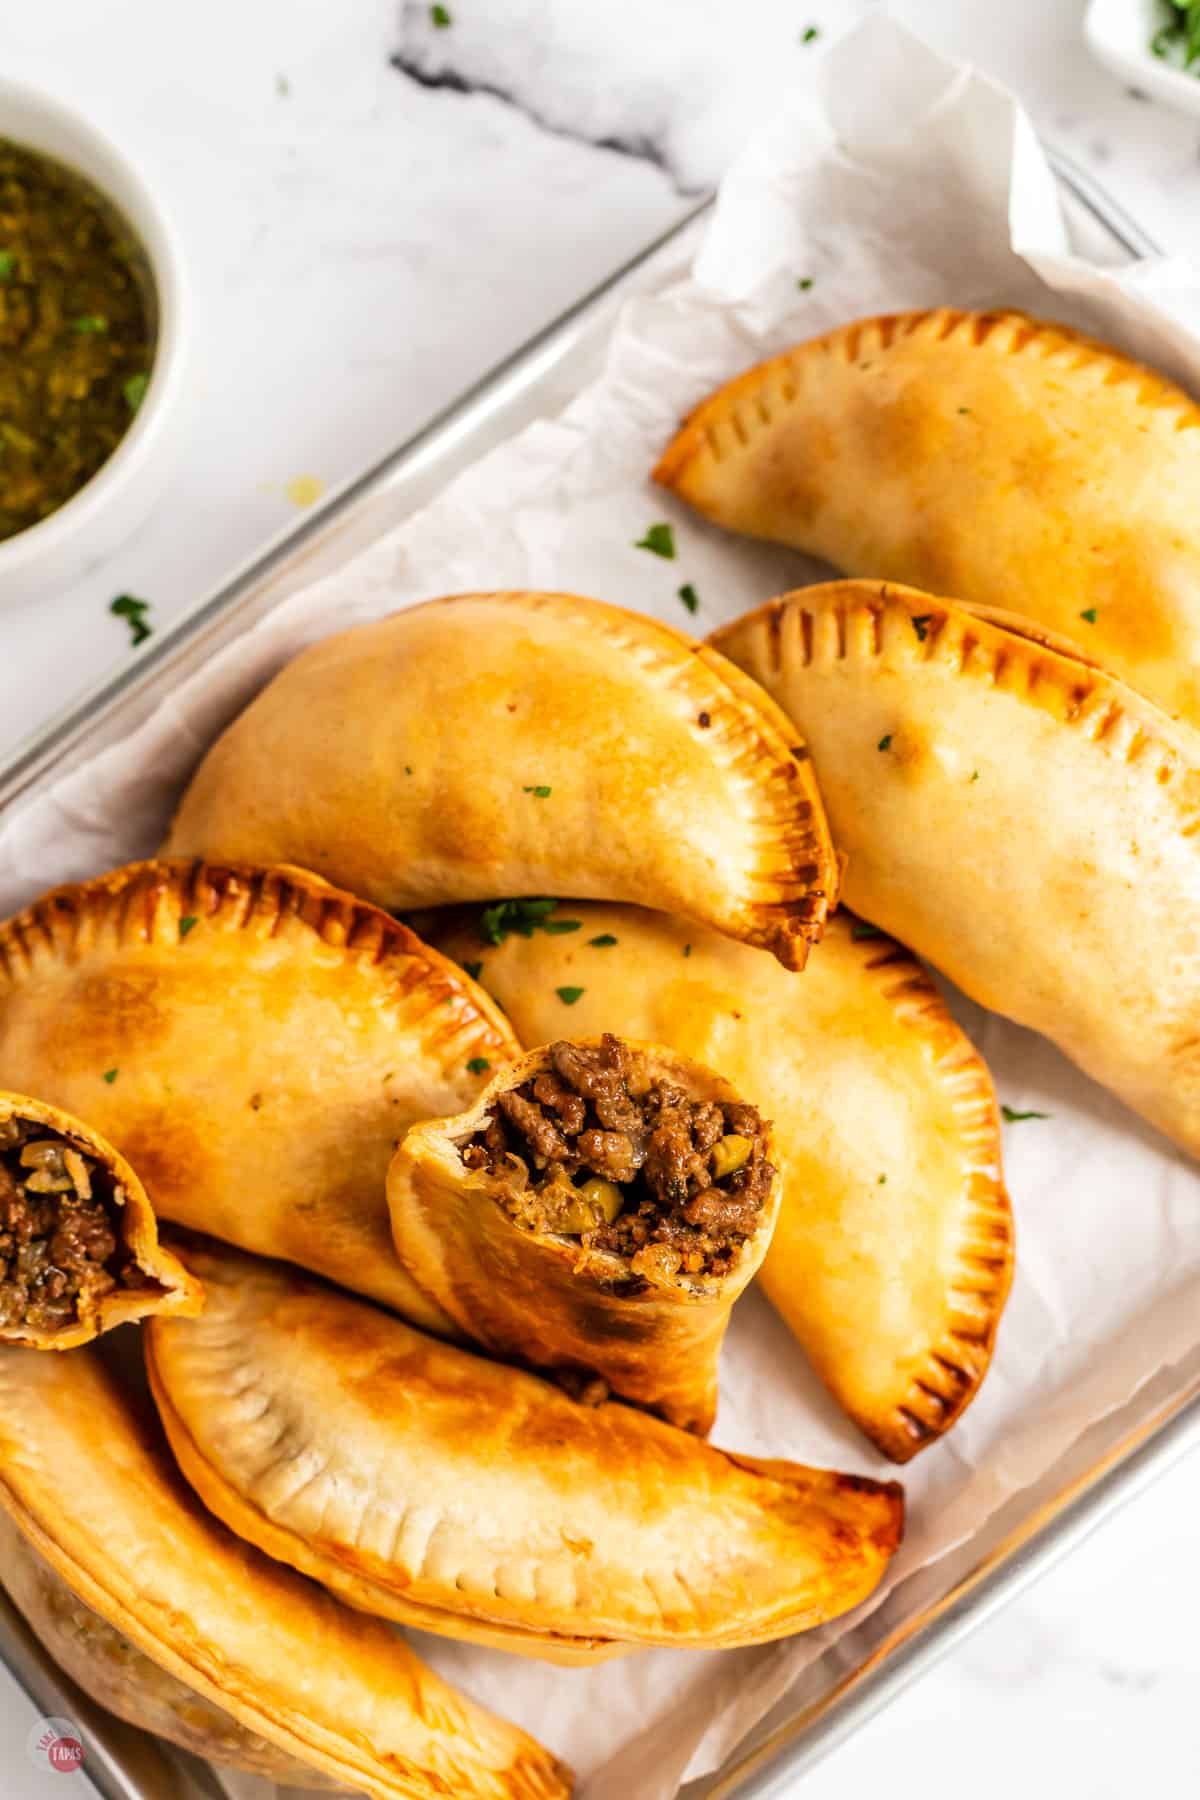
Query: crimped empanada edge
{"points": [[148, 901], [795, 872], [247, 1520], [248, 1707], [957, 1358], [972, 644], [727, 422]]}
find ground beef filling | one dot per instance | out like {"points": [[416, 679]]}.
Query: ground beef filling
{"points": [[59, 1252], [596, 1148]]}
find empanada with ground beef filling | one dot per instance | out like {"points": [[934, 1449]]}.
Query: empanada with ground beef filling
{"points": [[89, 1482], [892, 1254], [113, 1672], [1014, 814], [596, 1212], [255, 1042], [79, 1249], [525, 744], [1006, 460], [400, 1470]]}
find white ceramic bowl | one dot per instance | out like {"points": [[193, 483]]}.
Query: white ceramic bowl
{"points": [[119, 495], [1119, 34]]}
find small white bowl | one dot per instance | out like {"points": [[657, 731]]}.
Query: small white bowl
{"points": [[1119, 33], [120, 494]]}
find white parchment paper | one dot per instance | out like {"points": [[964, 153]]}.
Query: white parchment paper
{"points": [[891, 179]]}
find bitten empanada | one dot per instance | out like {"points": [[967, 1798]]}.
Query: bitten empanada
{"points": [[400, 1470], [596, 1213], [892, 1253], [1014, 814], [113, 1672], [79, 1249], [987, 455], [86, 1477], [525, 744], [254, 1042]]}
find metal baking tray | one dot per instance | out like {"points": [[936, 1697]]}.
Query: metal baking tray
{"points": [[936, 1607]]}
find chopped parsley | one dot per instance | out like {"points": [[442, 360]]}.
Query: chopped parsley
{"points": [[965, 411], [88, 322], [134, 390], [1089, 613], [440, 16], [110, 1075], [186, 925], [522, 916], [920, 625], [690, 597], [569, 995], [1181, 32], [975, 775], [659, 540], [539, 793], [882, 1182], [804, 282], [408, 768], [861, 930], [604, 942], [8, 264], [474, 969], [885, 742], [478, 1065], [1014, 1117], [687, 949], [810, 34], [133, 611], [556, 927]]}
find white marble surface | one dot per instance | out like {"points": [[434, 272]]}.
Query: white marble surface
{"points": [[364, 239]]}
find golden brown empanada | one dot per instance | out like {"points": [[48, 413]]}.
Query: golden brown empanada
{"points": [[79, 1249], [524, 744], [596, 1212], [892, 1253], [113, 1672], [400, 1470], [1003, 459], [86, 1477], [1016, 815], [255, 1042]]}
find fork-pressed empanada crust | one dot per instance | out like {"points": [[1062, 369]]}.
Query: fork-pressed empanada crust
{"points": [[87, 1478], [162, 1284], [491, 745], [986, 455], [892, 1253], [114, 1673], [542, 1298], [1019, 817], [380, 1460], [255, 1042]]}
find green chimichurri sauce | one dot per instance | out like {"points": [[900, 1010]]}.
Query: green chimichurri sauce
{"points": [[77, 333]]}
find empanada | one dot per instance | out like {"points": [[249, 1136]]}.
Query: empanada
{"points": [[1022, 819], [398, 1469], [596, 1212], [496, 745], [892, 1253], [255, 1042], [86, 1477], [113, 1672], [999, 458], [79, 1249]]}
